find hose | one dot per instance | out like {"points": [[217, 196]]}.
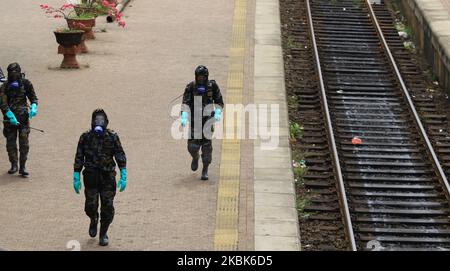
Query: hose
{"points": [[169, 106], [120, 7]]}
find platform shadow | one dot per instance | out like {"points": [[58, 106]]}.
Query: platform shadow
{"points": [[92, 245], [7, 179], [192, 179], [56, 67]]}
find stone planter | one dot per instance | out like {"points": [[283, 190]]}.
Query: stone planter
{"points": [[69, 42], [83, 24]]}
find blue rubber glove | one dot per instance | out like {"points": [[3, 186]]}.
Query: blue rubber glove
{"points": [[33, 110], [76, 182], [123, 180], [184, 118], [12, 118], [218, 114]]}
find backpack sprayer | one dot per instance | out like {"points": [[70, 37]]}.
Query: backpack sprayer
{"points": [[3, 80], [2, 77], [170, 104], [32, 128]]}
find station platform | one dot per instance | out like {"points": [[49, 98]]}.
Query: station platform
{"points": [[430, 21], [134, 73]]}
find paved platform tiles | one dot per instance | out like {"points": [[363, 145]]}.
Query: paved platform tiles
{"points": [[165, 207], [133, 73]]}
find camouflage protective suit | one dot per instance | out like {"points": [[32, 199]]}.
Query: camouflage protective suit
{"points": [[96, 154], [212, 95], [16, 101]]}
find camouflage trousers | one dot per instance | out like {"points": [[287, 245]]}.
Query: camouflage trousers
{"points": [[201, 141], [101, 185], [194, 146], [11, 133]]}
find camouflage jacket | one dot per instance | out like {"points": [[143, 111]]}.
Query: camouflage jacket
{"points": [[212, 95], [94, 152], [16, 100]]}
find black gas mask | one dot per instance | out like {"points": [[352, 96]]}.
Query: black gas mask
{"points": [[201, 84], [14, 75], [99, 125], [201, 78]]}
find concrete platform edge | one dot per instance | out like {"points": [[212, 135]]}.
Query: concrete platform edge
{"points": [[276, 227], [430, 21]]}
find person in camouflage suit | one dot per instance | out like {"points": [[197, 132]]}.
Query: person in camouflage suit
{"points": [[14, 106], [96, 151], [207, 92]]}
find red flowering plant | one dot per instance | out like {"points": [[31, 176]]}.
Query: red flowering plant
{"points": [[114, 12], [90, 6], [66, 11], [105, 7]]}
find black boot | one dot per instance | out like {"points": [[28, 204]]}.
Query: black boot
{"points": [[104, 240], [93, 227], [13, 169], [194, 164], [193, 149], [23, 171], [205, 173]]}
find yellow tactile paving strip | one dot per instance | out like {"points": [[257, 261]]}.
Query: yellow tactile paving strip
{"points": [[227, 213]]}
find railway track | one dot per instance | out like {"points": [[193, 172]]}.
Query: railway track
{"points": [[321, 222], [392, 189]]}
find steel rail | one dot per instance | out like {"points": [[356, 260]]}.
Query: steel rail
{"points": [[417, 120], [340, 181]]}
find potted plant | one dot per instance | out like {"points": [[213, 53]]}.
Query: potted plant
{"points": [[86, 20], [95, 7], [83, 22], [90, 7], [69, 39], [74, 22]]}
